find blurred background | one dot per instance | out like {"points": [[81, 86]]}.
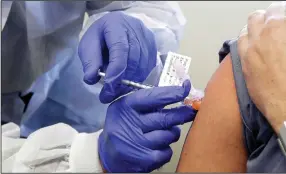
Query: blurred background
{"points": [[209, 24]]}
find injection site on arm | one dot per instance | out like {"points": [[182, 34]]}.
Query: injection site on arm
{"points": [[215, 140]]}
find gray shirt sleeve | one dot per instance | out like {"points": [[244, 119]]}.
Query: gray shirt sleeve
{"points": [[264, 154]]}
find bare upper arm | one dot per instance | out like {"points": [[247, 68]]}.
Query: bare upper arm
{"points": [[215, 140]]}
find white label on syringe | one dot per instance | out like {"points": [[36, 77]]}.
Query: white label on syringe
{"points": [[196, 94], [169, 76]]}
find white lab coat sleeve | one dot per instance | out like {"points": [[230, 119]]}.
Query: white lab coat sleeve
{"points": [[11, 144], [163, 18], [56, 148], [84, 157]]}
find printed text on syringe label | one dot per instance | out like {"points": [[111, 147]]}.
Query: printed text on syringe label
{"points": [[169, 76]]}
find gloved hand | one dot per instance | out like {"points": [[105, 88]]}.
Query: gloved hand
{"points": [[121, 46], [138, 131]]}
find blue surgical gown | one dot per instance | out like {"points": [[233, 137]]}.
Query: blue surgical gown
{"points": [[39, 56]]}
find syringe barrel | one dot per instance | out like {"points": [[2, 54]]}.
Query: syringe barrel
{"points": [[129, 83], [137, 85]]}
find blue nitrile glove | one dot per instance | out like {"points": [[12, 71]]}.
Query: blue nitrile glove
{"points": [[120, 45], [138, 131]]}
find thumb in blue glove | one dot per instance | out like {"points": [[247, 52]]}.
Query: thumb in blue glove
{"points": [[123, 47], [138, 130]]}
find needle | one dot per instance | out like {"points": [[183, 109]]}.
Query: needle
{"points": [[129, 83]]}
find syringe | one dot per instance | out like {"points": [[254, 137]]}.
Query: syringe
{"points": [[129, 83], [187, 100], [196, 95]]}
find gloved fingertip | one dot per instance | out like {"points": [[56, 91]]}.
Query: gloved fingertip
{"points": [[177, 132], [191, 116], [161, 157], [105, 97], [187, 113], [187, 86], [91, 81], [91, 76], [176, 129]]}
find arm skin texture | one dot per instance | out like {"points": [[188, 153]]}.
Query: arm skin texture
{"points": [[215, 141]]}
